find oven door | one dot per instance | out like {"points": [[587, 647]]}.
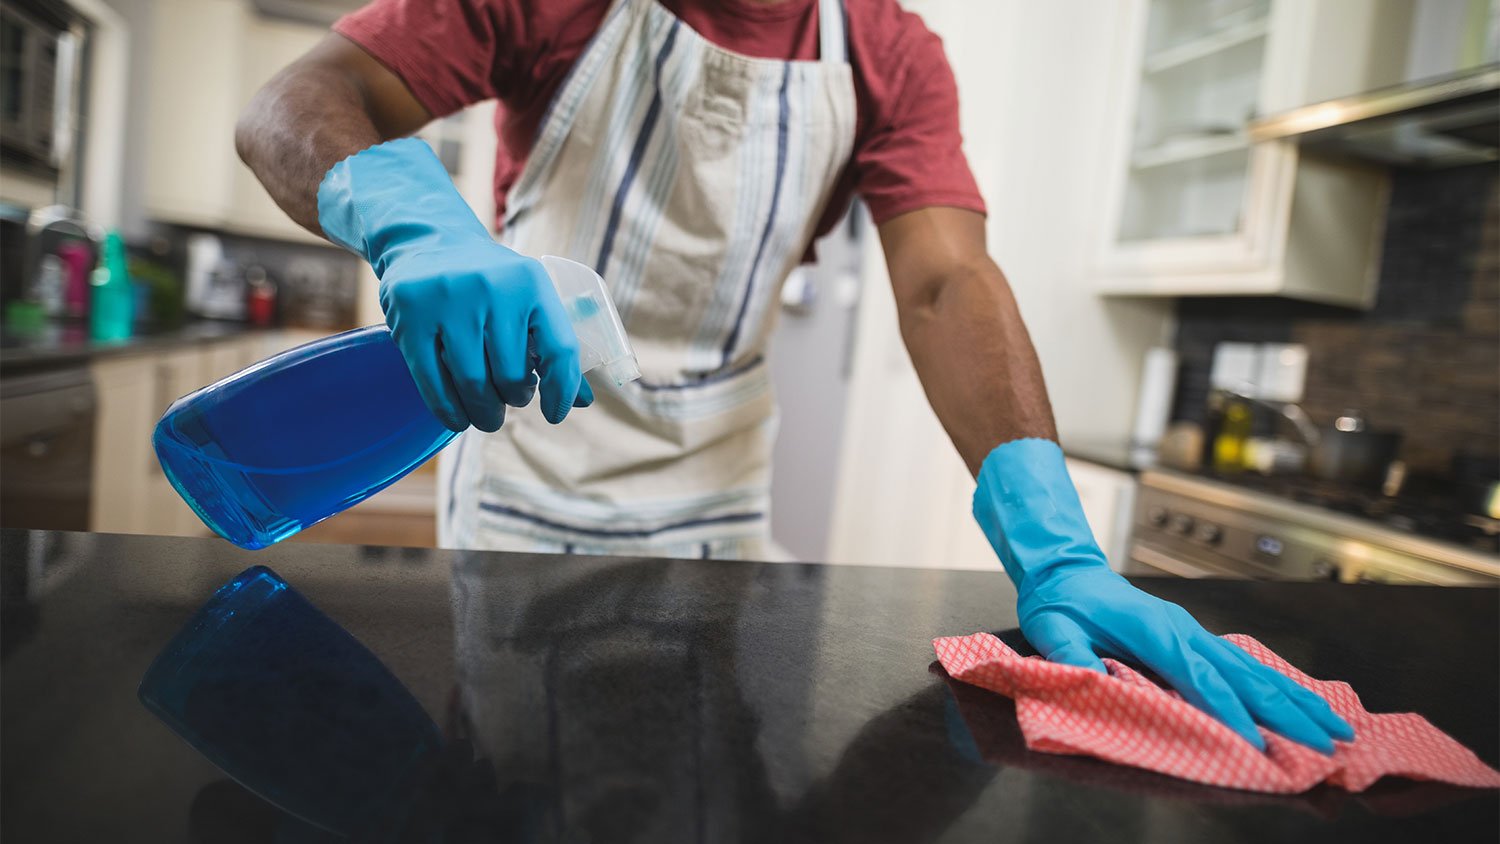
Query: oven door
{"points": [[1148, 559], [47, 450]]}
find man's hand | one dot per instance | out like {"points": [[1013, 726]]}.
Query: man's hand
{"points": [[1077, 615], [1074, 609], [476, 322], [463, 317]]}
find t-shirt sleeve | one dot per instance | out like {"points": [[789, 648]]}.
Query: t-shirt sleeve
{"points": [[910, 154], [450, 53]]}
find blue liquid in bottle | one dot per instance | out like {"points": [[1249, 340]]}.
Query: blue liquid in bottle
{"points": [[294, 439]]}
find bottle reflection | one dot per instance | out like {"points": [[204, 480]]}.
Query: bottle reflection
{"points": [[604, 704], [286, 702]]}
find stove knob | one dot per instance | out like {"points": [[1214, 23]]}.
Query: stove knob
{"points": [[1209, 533], [1157, 515], [1183, 524]]}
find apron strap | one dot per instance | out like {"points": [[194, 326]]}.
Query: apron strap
{"points": [[832, 45]]}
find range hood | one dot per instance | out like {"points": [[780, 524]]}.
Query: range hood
{"points": [[318, 12], [1442, 122]]}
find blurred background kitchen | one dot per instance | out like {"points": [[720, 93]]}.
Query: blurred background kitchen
{"points": [[1257, 243]]}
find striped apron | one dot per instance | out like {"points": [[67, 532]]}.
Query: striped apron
{"points": [[692, 178]]}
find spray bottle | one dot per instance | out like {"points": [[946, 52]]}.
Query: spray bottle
{"points": [[296, 438]]}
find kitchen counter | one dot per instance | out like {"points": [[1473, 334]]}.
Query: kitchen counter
{"points": [[61, 344], [1111, 454], [677, 700]]}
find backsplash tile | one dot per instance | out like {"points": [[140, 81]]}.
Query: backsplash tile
{"points": [[1425, 359]]}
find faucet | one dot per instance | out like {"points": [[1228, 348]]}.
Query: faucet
{"points": [[1290, 411], [56, 220]]}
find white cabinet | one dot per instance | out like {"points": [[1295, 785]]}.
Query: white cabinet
{"points": [[221, 53], [208, 57], [270, 45], [122, 445], [1192, 208], [196, 57]]}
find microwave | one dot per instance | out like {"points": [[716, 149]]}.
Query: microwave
{"points": [[41, 52]]}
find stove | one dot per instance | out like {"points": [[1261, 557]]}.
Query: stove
{"points": [[1302, 529], [1427, 509]]}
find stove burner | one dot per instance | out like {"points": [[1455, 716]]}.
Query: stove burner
{"points": [[1425, 507]]}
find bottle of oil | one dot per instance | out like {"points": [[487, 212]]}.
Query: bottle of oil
{"points": [[1234, 433]]}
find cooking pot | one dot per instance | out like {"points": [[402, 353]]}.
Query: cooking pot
{"points": [[1350, 452], [1478, 480]]}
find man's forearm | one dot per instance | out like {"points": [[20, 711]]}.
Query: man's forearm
{"points": [[977, 365], [965, 335], [321, 109], [298, 126]]}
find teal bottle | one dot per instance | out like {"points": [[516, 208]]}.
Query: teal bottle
{"points": [[111, 298]]}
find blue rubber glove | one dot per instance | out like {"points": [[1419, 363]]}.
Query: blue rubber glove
{"points": [[478, 324], [1074, 609]]}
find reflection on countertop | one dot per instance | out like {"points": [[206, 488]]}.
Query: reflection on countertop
{"points": [[676, 700]]}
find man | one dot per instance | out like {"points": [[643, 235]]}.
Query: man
{"points": [[691, 151]]}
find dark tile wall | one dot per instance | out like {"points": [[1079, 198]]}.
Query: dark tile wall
{"points": [[1425, 359]]}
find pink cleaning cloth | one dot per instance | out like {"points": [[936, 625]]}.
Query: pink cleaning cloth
{"points": [[1125, 718]]}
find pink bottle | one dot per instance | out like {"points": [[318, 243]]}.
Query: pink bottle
{"points": [[78, 261]]}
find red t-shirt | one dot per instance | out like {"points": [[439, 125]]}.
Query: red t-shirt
{"points": [[907, 149]]}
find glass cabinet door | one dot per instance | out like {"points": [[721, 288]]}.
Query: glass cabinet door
{"points": [[1189, 167]]}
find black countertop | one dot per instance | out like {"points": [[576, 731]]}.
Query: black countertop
{"points": [[669, 700], [64, 344]]}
